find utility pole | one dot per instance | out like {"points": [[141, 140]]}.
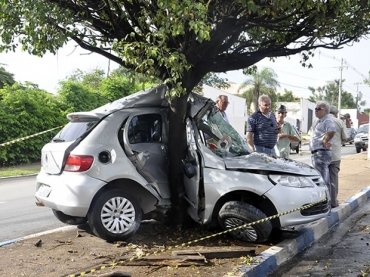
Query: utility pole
{"points": [[357, 94], [340, 88]]}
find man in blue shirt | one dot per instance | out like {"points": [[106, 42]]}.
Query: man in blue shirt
{"points": [[262, 127]]}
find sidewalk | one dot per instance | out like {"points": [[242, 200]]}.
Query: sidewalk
{"points": [[354, 191]]}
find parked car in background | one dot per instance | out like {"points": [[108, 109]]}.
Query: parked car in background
{"points": [[109, 167], [351, 133], [362, 138], [295, 145]]}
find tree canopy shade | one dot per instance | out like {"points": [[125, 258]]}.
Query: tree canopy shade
{"points": [[179, 42]]}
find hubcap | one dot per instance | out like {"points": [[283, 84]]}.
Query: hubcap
{"points": [[118, 215], [247, 233]]}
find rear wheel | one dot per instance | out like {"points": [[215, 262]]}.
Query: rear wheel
{"points": [[115, 215], [68, 219], [358, 149], [235, 213]]}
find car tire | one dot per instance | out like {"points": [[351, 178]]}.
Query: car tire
{"points": [[68, 219], [358, 149], [297, 149], [115, 215], [364, 148], [236, 213]]}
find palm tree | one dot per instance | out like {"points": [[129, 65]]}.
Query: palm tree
{"points": [[260, 82]]}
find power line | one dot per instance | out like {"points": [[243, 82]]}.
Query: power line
{"points": [[293, 86], [349, 65]]}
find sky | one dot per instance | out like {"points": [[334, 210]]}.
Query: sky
{"points": [[49, 70]]}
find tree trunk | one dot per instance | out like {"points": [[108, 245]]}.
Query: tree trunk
{"points": [[177, 151]]}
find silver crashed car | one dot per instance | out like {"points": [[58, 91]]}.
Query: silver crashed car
{"points": [[109, 167]]}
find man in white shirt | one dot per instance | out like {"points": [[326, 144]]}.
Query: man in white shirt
{"points": [[321, 141], [334, 167], [222, 102]]}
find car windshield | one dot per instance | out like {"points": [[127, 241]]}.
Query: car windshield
{"points": [[363, 129], [220, 136]]}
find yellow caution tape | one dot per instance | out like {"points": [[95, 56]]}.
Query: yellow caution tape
{"points": [[28, 137], [113, 264]]}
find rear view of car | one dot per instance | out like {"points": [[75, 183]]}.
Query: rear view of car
{"points": [[362, 138]]}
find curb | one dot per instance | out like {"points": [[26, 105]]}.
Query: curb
{"points": [[60, 229], [270, 259], [18, 176]]}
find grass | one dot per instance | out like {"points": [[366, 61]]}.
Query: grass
{"points": [[19, 170]]}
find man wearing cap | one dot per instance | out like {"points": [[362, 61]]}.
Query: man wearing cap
{"points": [[285, 135]]}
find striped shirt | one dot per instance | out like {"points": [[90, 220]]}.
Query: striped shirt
{"points": [[263, 128]]}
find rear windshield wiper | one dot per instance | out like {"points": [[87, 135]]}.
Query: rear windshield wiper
{"points": [[58, 140]]}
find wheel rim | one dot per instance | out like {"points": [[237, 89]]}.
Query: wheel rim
{"points": [[118, 215], [247, 233]]}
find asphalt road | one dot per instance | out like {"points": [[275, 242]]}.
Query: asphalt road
{"points": [[344, 251], [19, 215], [347, 150]]}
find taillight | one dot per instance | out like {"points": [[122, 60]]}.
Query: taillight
{"points": [[78, 163]]}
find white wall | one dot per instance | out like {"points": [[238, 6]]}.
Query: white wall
{"points": [[236, 111]]}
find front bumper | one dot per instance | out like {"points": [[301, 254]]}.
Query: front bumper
{"points": [[71, 192], [287, 199], [361, 144]]}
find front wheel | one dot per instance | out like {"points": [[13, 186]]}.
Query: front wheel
{"points": [[115, 215], [358, 149], [235, 213]]}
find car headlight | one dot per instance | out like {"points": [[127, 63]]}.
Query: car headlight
{"points": [[292, 181], [357, 139]]}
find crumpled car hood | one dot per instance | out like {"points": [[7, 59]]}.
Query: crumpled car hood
{"points": [[261, 161]]}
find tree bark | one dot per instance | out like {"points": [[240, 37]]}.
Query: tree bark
{"points": [[177, 151]]}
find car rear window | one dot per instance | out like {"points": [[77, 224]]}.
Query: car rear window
{"points": [[73, 130]]}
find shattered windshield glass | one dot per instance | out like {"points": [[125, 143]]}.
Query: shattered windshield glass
{"points": [[220, 136]]}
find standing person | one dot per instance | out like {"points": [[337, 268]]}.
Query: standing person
{"points": [[262, 127], [222, 102], [321, 141], [286, 134], [334, 167]]}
